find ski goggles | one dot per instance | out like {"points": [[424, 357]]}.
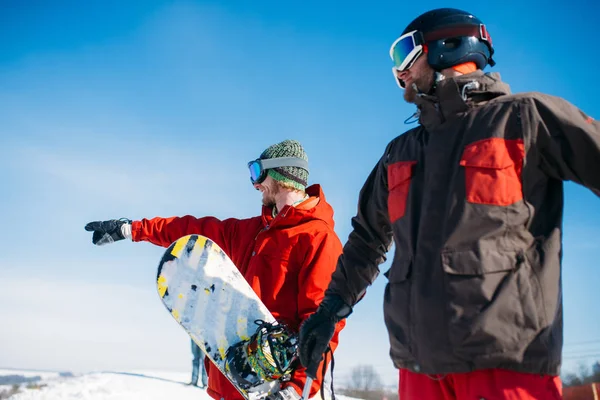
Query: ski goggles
{"points": [[405, 50], [258, 168]]}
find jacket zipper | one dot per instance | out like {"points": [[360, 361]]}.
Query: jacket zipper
{"points": [[267, 226]]}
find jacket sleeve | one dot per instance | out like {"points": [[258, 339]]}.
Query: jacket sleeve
{"points": [[320, 256], [164, 231], [568, 142], [369, 240]]}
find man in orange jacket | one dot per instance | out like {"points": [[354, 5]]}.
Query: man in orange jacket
{"points": [[287, 254]]}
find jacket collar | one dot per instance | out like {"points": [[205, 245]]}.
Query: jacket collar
{"points": [[456, 95], [315, 207]]}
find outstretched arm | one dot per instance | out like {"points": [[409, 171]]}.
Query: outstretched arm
{"points": [[568, 142], [163, 231]]}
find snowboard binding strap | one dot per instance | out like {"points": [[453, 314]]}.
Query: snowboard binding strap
{"points": [[267, 356]]}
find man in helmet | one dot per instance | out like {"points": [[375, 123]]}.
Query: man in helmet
{"points": [[472, 199]]}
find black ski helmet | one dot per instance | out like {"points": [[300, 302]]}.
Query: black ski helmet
{"points": [[453, 37]]}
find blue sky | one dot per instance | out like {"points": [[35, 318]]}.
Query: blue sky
{"points": [[138, 109]]}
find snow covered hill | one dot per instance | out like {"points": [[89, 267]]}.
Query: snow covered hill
{"points": [[107, 385], [146, 385]]}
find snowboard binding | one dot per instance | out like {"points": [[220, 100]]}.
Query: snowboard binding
{"points": [[269, 355]]}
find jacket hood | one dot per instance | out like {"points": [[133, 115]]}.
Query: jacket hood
{"points": [[315, 207]]}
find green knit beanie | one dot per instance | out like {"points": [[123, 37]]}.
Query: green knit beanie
{"points": [[297, 177]]}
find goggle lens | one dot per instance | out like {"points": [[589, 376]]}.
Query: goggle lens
{"points": [[401, 51], [255, 171], [406, 49]]}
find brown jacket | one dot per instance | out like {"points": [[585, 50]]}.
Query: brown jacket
{"points": [[472, 199]]}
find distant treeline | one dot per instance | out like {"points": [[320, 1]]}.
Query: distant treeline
{"points": [[18, 379]]}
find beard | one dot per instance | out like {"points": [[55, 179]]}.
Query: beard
{"points": [[423, 82], [268, 198]]}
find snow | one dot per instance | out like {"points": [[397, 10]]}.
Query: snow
{"points": [[110, 385], [131, 385]]}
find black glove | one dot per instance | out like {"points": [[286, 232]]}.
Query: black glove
{"points": [[106, 232], [318, 329]]}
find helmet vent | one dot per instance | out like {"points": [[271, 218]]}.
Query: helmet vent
{"points": [[452, 43]]}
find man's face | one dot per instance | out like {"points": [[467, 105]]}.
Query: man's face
{"points": [[269, 189], [419, 74]]}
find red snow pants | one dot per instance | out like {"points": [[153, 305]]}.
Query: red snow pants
{"points": [[490, 384]]}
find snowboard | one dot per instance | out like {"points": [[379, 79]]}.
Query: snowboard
{"points": [[207, 295]]}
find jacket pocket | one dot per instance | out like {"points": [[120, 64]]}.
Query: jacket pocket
{"points": [[493, 171], [399, 177], [488, 293]]}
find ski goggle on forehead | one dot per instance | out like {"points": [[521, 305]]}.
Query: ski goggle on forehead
{"points": [[258, 168]]}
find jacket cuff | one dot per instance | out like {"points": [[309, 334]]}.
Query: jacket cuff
{"points": [[136, 229], [336, 307]]}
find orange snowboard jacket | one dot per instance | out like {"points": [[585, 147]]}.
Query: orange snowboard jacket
{"points": [[287, 260]]}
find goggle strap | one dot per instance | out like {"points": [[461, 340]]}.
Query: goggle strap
{"points": [[284, 162], [418, 38]]}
